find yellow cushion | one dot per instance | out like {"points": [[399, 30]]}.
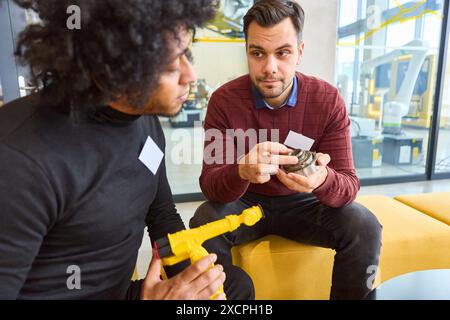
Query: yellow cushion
{"points": [[412, 241], [135, 275], [436, 205], [283, 269]]}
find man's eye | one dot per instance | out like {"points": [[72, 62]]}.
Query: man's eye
{"points": [[257, 54], [284, 53], [189, 56], [173, 68]]}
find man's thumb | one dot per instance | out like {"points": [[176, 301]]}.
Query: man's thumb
{"points": [[323, 159]]}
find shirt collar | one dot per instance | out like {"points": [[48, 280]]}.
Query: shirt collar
{"points": [[260, 103], [106, 114]]}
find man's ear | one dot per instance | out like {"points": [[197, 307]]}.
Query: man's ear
{"points": [[301, 48]]}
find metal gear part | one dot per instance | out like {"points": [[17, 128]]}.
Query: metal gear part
{"points": [[306, 165]]}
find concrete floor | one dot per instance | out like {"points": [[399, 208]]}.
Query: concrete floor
{"points": [[187, 210]]}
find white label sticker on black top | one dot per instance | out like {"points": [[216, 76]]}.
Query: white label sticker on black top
{"points": [[151, 155]]}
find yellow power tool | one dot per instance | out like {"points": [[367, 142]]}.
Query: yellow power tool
{"points": [[187, 244]]}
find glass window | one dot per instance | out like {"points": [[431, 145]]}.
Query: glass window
{"points": [[348, 12], [393, 85], [364, 7], [397, 3], [20, 20], [398, 34], [14, 78], [432, 31], [346, 69], [443, 151]]}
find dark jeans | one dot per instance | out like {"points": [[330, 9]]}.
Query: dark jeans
{"points": [[352, 231]]}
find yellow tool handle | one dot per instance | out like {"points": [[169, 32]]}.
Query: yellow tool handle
{"points": [[163, 273], [198, 254]]}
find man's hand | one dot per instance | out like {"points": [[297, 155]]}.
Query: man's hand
{"points": [[263, 161], [299, 183], [194, 283]]}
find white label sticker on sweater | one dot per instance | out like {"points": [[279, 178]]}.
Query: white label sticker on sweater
{"points": [[298, 141], [151, 155]]}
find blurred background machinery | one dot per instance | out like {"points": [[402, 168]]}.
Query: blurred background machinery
{"points": [[384, 84], [229, 20], [194, 109], [396, 91]]}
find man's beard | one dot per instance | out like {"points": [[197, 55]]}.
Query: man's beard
{"points": [[275, 95], [169, 115]]}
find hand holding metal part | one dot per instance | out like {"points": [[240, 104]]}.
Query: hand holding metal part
{"points": [[308, 174], [306, 165]]}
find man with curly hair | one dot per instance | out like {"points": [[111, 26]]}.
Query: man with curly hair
{"points": [[74, 196]]}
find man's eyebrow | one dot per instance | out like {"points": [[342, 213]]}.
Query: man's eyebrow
{"points": [[186, 52], [254, 46], [285, 46]]}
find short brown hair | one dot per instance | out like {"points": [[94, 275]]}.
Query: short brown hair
{"points": [[268, 13]]}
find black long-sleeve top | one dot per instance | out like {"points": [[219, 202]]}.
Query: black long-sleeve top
{"points": [[73, 194]]}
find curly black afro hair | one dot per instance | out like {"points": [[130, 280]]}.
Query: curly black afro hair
{"points": [[119, 50]]}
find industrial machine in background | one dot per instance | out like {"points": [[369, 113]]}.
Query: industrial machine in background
{"points": [[384, 83], [194, 109], [396, 90], [396, 76], [367, 143], [229, 18]]}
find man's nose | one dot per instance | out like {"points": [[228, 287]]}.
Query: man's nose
{"points": [[270, 65], [188, 74]]}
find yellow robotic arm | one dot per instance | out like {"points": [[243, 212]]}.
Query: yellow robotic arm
{"points": [[187, 244]]}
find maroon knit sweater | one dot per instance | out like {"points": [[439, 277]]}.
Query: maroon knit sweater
{"points": [[320, 114]]}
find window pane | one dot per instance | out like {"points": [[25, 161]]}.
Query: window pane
{"points": [[14, 78], [346, 68], [393, 85], [20, 20], [397, 3], [348, 12], [399, 34], [443, 152], [432, 31]]}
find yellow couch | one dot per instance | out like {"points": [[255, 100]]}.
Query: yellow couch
{"points": [[436, 205], [135, 275], [412, 241]]}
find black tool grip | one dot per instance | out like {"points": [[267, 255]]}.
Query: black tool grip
{"points": [[164, 249]]}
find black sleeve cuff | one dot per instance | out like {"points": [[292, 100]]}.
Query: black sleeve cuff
{"points": [[134, 290]]}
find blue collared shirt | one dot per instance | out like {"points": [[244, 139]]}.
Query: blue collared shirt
{"points": [[260, 103]]}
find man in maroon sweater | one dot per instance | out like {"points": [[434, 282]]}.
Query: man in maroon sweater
{"points": [[317, 210]]}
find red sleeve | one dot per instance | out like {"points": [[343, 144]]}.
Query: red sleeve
{"points": [[220, 180], [342, 184]]}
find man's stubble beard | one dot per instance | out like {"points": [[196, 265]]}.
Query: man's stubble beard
{"points": [[169, 115], [273, 96]]}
